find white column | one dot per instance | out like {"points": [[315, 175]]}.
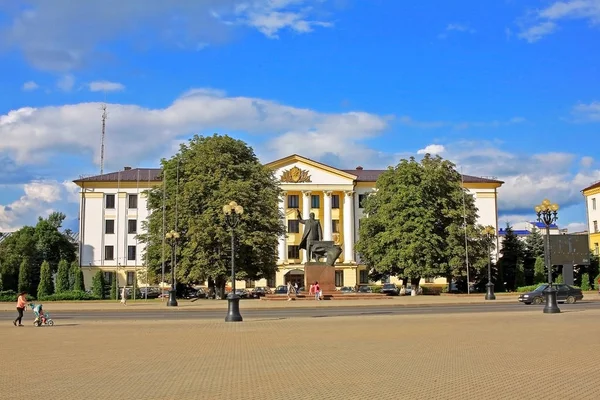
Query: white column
{"points": [[305, 215], [348, 227], [282, 250], [327, 215]]}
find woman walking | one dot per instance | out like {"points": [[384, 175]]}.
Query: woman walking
{"points": [[21, 304]]}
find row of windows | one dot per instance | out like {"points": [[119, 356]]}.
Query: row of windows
{"points": [[109, 226], [293, 201], [109, 252], [108, 278], [294, 226], [110, 201]]}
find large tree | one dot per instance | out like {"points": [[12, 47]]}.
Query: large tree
{"points": [[416, 223], [206, 174], [512, 255]]}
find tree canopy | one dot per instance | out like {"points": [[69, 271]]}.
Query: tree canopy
{"points": [[206, 174], [416, 222]]}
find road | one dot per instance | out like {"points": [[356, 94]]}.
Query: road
{"points": [[281, 313]]}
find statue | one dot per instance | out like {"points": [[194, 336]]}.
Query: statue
{"points": [[312, 242]]}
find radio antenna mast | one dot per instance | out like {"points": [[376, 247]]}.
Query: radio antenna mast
{"points": [[104, 116]]}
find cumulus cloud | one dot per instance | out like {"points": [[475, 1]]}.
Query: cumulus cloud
{"points": [[105, 86], [30, 86], [546, 21], [432, 149], [587, 112], [73, 43]]}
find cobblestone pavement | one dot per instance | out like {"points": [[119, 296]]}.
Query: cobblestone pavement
{"points": [[525, 355]]}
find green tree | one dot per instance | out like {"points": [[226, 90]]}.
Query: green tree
{"points": [[512, 253], [1, 283], [76, 277], [214, 171], [416, 223], [539, 271], [46, 286], [51, 244], [520, 274], [62, 277], [534, 244], [114, 290], [98, 285], [559, 279], [14, 249], [25, 276], [585, 282]]}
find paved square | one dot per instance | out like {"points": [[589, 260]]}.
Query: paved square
{"points": [[459, 356]]}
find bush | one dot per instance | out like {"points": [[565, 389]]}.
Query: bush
{"points": [[530, 288], [585, 282], [98, 285], [432, 290], [114, 293], [559, 279], [77, 276], [25, 277], [539, 270], [62, 277], [375, 288], [46, 286], [8, 296], [74, 295]]}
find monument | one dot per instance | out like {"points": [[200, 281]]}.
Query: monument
{"points": [[316, 249]]}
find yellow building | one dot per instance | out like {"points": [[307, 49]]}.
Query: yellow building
{"points": [[592, 197], [113, 208]]}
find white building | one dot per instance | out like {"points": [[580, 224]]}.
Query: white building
{"points": [[113, 207], [591, 195]]}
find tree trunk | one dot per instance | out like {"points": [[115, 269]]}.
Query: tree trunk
{"points": [[211, 288], [220, 282], [414, 283], [449, 280]]}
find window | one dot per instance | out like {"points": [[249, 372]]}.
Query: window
{"points": [[363, 276], [109, 252], [339, 278], [132, 226], [429, 280], [595, 226], [130, 276], [293, 252], [335, 226], [131, 250], [335, 201], [108, 278], [249, 283], [315, 201], [593, 203], [109, 226], [133, 201], [293, 226], [109, 201], [293, 201], [361, 199]]}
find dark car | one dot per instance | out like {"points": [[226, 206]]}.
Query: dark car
{"points": [[281, 289], [347, 289], [242, 293], [259, 292], [365, 289], [390, 289], [565, 294]]}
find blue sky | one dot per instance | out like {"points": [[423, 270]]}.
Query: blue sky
{"points": [[509, 89]]}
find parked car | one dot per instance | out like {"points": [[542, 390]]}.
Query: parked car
{"points": [[565, 294], [390, 289], [193, 293], [347, 289], [242, 293], [259, 292], [150, 292], [281, 289], [365, 289]]}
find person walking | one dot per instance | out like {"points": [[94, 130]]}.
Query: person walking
{"points": [[289, 291], [124, 296], [296, 288], [21, 304], [317, 291]]}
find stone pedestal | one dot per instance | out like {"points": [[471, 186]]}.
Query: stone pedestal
{"points": [[319, 272]]}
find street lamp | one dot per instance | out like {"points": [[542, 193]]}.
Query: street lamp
{"points": [[172, 238], [490, 232], [547, 214], [233, 213]]}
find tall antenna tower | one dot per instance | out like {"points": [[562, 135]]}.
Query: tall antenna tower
{"points": [[104, 116]]}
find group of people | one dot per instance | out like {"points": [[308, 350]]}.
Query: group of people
{"points": [[22, 305], [314, 290]]}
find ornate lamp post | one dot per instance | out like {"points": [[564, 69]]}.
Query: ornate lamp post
{"points": [[490, 232], [172, 238], [233, 213], [547, 214]]}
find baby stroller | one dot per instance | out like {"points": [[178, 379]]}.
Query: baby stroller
{"points": [[41, 317]]}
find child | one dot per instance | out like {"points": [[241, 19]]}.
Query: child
{"points": [[39, 311]]}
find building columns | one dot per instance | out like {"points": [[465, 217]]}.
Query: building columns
{"points": [[327, 228], [305, 215], [282, 248], [348, 227]]}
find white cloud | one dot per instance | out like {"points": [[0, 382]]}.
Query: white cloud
{"points": [[30, 86], [576, 227], [586, 162], [545, 21], [37, 200], [587, 112], [106, 86], [66, 83], [432, 149], [456, 28], [73, 43]]}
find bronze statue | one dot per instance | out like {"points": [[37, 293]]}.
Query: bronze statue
{"points": [[312, 232]]}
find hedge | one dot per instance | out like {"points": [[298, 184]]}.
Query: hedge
{"points": [[434, 290], [75, 295], [9, 296]]}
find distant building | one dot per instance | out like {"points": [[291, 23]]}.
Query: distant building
{"points": [[591, 195], [523, 229]]}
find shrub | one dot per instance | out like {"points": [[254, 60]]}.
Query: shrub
{"points": [[585, 282], [62, 277], [77, 276], [530, 288], [432, 290], [539, 270], [46, 286], [1, 285], [25, 276], [559, 279], [114, 293], [98, 285], [8, 295], [375, 288], [74, 295]]}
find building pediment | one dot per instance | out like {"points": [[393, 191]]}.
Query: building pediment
{"points": [[298, 170]]}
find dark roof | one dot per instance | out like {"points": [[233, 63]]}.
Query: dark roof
{"points": [[592, 186], [128, 175], [371, 175], [153, 174]]}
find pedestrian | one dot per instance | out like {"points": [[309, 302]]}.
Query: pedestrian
{"points": [[21, 304], [124, 296], [296, 288], [289, 291], [311, 289], [317, 291]]}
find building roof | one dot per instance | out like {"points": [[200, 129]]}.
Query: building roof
{"points": [[518, 232], [153, 174], [592, 186], [540, 225]]}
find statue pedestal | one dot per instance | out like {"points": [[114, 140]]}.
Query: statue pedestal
{"points": [[319, 272]]}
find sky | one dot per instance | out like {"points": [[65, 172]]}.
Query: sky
{"points": [[506, 89]]}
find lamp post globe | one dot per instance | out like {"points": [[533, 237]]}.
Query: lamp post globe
{"points": [[233, 212], [172, 237], [547, 214], [490, 232]]}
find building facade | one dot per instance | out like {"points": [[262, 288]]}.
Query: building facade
{"points": [[113, 207], [591, 195]]}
